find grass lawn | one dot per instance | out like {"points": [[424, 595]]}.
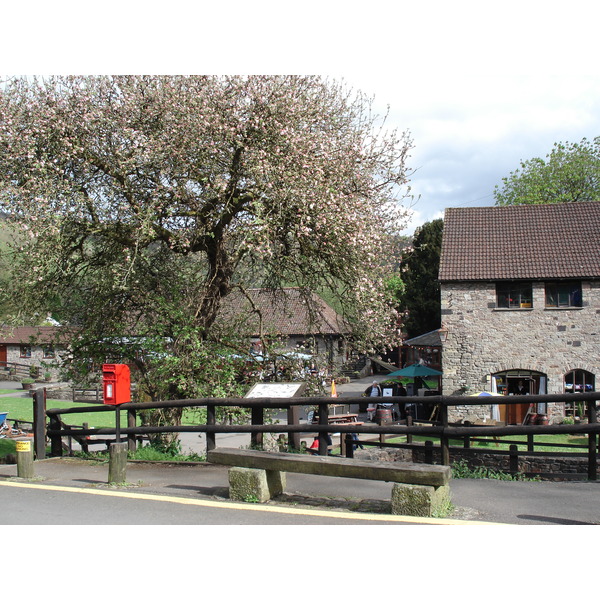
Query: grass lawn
{"points": [[21, 409]]}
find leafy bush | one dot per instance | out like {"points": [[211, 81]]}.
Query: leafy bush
{"points": [[461, 470], [7, 447], [147, 453]]}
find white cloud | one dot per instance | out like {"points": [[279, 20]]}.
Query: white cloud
{"points": [[417, 218], [479, 85]]}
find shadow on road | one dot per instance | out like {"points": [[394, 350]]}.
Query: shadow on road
{"points": [[554, 520]]}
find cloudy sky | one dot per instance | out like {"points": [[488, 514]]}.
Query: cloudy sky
{"points": [[481, 87], [478, 85]]}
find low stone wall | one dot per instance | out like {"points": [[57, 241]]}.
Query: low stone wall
{"points": [[548, 466], [66, 393], [385, 454]]}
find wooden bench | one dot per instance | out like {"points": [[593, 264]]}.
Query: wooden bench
{"points": [[419, 489]]}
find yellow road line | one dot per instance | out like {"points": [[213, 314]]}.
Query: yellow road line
{"points": [[225, 505]]}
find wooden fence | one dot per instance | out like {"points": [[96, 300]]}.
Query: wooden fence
{"points": [[441, 429], [21, 371]]}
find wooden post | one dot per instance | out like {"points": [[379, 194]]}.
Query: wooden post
{"points": [[514, 459], [444, 441], [131, 440], [349, 443], [56, 440], [39, 423], [293, 417], [409, 422], [530, 445], [592, 442], [323, 435], [118, 423], [258, 418], [117, 466], [83, 442], [211, 419], [25, 459], [429, 452]]}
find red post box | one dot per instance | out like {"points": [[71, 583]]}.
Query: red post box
{"points": [[117, 384]]}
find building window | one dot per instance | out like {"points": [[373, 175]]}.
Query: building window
{"points": [[25, 351], [563, 294], [49, 352], [514, 295]]}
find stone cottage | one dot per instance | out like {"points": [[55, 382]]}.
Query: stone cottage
{"points": [[520, 295], [302, 321], [30, 348]]}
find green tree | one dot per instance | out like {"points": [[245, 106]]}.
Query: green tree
{"points": [[144, 201], [570, 173], [420, 300]]}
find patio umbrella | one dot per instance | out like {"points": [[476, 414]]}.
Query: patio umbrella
{"points": [[416, 370]]}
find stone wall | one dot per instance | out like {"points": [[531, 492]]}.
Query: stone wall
{"points": [[554, 467], [37, 358], [483, 340]]}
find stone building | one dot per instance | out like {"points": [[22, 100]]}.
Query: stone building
{"points": [[302, 321], [22, 348], [520, 294]]}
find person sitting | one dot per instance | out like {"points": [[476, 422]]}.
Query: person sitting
{"points": [[314, 447]]}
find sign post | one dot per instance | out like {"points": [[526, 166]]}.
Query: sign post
{"points": [[25, 459], [277, 390]]}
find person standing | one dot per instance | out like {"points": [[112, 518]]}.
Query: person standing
{"points": [[521, 390], [373, 391], [401, 407]]}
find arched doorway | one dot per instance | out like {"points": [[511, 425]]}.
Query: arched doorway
{"points": [[518, 382], [578, 381]]}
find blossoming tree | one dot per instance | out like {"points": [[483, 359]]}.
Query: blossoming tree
{"points": [[145, 200]]}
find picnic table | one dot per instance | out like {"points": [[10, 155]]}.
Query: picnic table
{"points": [[341, 419]]}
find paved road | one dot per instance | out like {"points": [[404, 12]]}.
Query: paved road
{"points": [[31, 504], [75, 491], [72, 491]]}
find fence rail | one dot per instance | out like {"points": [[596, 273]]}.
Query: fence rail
{"points": [[20, 370], [441, 429]]}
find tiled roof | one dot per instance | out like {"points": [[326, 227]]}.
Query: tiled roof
{"points": [[431, 338], [285, 313], [541, 241], [24, 335]]}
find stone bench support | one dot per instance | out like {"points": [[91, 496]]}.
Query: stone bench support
{"points": [[256, 485], [257, 476], [420, 500]]}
